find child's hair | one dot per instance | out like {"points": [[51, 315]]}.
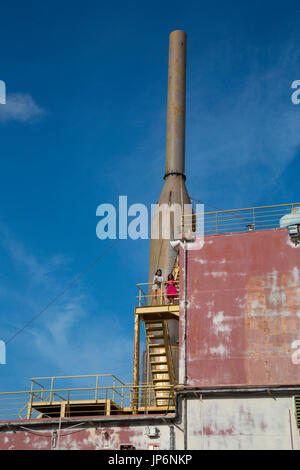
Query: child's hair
{"points": [[158, 271], [170, 277]]}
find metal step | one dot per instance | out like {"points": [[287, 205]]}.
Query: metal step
{"points": [[157, 354], [159, 363], [154, 328]]}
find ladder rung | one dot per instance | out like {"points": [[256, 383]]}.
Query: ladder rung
{"points": [[157, 354], [155, 328], [159, 363], [153, 345], [150, 322], [156, 336]]}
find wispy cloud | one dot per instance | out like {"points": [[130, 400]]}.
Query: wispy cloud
{"points": [[245, 132], [20, 107], [38, 269], [68, 338]]}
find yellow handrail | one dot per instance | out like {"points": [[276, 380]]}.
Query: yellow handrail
{"points": [[237, 220], [29, 404], [148, 298]]}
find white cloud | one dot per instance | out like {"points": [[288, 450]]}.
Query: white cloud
{"points": [[68, 338], [20, 107]]}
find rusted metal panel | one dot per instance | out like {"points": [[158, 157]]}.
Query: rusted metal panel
{"points": [[213, 424], [48, 437], [243, 294]]}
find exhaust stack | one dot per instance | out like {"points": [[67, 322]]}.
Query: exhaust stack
{"points": [[162, 255], [175, 153]]}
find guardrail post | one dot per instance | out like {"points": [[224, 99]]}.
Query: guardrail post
{"points": [[29, 410], [107, 407], [96, 392], [51, 390], [62, 410]]}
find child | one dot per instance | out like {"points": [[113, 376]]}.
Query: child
{"points": [[157, 280], [171, 289]]}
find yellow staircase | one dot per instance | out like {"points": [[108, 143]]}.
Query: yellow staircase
{"points": [[160, 359]]}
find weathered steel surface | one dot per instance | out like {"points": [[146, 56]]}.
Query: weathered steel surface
{"points": [[243, 310], [175, 151], [92, 437], [242, 424], [214, 424]]}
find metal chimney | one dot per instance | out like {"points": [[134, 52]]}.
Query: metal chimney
{"points": [[162, 255], [175, 154]]}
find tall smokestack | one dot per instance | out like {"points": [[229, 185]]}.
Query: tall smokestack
{"points": [[162, 255], [175, 154]]}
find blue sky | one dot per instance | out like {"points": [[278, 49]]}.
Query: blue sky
{"points": [[85, 122]]}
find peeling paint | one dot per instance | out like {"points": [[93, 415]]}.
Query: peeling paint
{"points": [[249, 312]]}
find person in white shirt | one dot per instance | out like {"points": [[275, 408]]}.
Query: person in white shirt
{"points": [[156, 287]]}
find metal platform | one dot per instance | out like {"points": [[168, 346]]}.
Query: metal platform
{"points": [[86, 396], [155, 312]]}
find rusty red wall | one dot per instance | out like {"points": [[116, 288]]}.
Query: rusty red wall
{"points": [[32, 435], [243, 293]]}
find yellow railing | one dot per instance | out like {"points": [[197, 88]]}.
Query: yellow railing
{"points": [[238, 220], [118, 398], [50, 383], [148, 297]]}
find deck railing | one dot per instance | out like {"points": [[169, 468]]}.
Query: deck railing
{"points": [[53, 402], [237, 220], [147, 297]]}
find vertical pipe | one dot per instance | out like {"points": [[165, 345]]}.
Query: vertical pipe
{"points": [[136, 363], [291, 430], [172, 438], [175, 152], [185, 310], [185, 338]]}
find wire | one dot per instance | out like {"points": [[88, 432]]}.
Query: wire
{"points": [[61, 293], [201, 202], [217, 208], [50, 435]]}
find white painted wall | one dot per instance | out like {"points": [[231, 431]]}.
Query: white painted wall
{"points": [[242, 423]]}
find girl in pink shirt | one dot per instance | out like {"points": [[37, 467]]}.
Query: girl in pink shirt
{"points": [[171, 289]]}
